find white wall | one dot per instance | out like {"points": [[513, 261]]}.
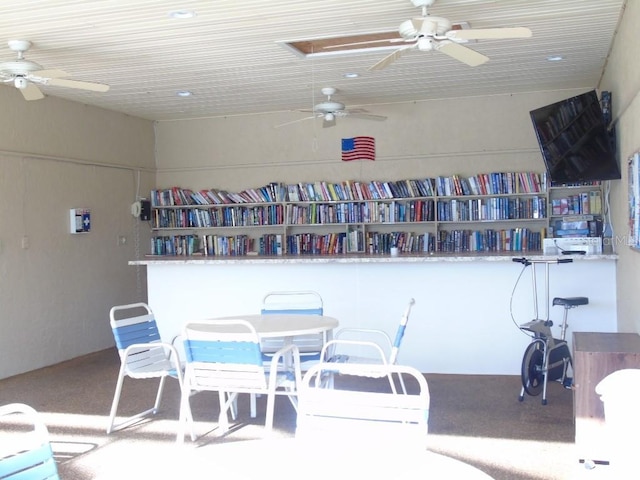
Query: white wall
{"points": [[55, 295], [622, 78], [461, 323], [464, 136]]}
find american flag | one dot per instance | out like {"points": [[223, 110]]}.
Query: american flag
{"points": [[358, 148]]}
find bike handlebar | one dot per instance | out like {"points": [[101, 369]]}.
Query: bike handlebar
{"points": [[526, 261]]}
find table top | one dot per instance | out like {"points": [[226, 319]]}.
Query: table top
{"points": [[286, 325], [291, 458]]}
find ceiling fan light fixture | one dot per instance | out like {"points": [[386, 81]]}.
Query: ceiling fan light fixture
{"points": [[182, 14], [329, 117], [407, 29], [20, 82]]}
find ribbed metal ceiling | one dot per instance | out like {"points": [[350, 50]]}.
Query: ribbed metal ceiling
{"points": [[231, 58]]}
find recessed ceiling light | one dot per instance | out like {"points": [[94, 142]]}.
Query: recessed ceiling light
{"points": [[555, 58], [182, 14], [351, 75], [183, 93]]}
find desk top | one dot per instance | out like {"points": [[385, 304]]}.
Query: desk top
{"points": [[599, 342], [286, 325]]}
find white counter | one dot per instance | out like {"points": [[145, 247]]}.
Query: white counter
{"points": [[461, 322]]}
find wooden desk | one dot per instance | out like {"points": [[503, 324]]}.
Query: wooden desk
{"points": [[595, 356]]}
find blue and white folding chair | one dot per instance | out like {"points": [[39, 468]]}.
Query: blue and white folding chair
{"points": [[300, 302], [224, 355], [28, 454], [367, 346], [142, 355]]}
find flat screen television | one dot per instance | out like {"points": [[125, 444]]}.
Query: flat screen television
{"points": [[574, 140]]}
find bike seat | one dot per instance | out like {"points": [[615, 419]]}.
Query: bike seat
{"points": [[568, 302]]}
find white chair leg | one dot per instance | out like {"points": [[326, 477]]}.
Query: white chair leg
{"points": [[252, 403], [234, 408], [156, 405], [184, 417], [268, 425], [116, 400]]}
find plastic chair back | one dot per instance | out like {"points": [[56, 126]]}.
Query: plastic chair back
{"points": [[143, 354], [402, 327], [31, 459], [223, 355], [358, 415], [300, 302]]}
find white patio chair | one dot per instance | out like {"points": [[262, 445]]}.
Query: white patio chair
{"points": [[26, 454], [142, 355], [355, 416], [299, 302], [224, 355], [366, 346]]}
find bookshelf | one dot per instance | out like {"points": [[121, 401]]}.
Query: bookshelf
{"points": [[576, 210], [494, 212]]}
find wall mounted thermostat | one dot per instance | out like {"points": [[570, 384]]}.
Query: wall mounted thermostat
{"points": [[80, 220]]}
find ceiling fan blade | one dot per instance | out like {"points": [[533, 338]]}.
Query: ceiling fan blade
{"points": [[94, 87], [360, 113], [53, 73], [31, 92], [294, 121], [461, 53], [489, 33], [389, 59]]}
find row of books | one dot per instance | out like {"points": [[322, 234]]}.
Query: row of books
{"points": [[496, 208], [352, 190], [208, 245], [495, 183], [176, 196], [356, 190], [361, 212], [478, 209], [405, 242], [228, 217], [297, 244], [584, 203], [512, 240]]}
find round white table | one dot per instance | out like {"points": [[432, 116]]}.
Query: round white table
{"points": [[292, 459], [286, 325]]}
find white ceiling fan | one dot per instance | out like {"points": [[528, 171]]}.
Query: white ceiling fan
{"points": [[329, 110], [26, 75], [428, 32]]}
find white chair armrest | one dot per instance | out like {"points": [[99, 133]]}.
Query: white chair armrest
{"points": [[328, 353]]}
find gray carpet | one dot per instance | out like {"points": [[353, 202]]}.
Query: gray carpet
{"points": [[475, 418]]}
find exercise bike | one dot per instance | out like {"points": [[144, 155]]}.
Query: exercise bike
{"points": [[546, 358]]}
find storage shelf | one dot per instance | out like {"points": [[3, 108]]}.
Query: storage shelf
{"points": [[371, 225]]}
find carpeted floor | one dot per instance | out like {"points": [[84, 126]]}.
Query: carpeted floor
{"points": [[475, 418]]}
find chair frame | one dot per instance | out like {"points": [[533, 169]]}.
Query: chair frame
{"points": [[230, 363], [295, 302], [370, 417], [330, 352], [35, 463], [142, 355]]}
